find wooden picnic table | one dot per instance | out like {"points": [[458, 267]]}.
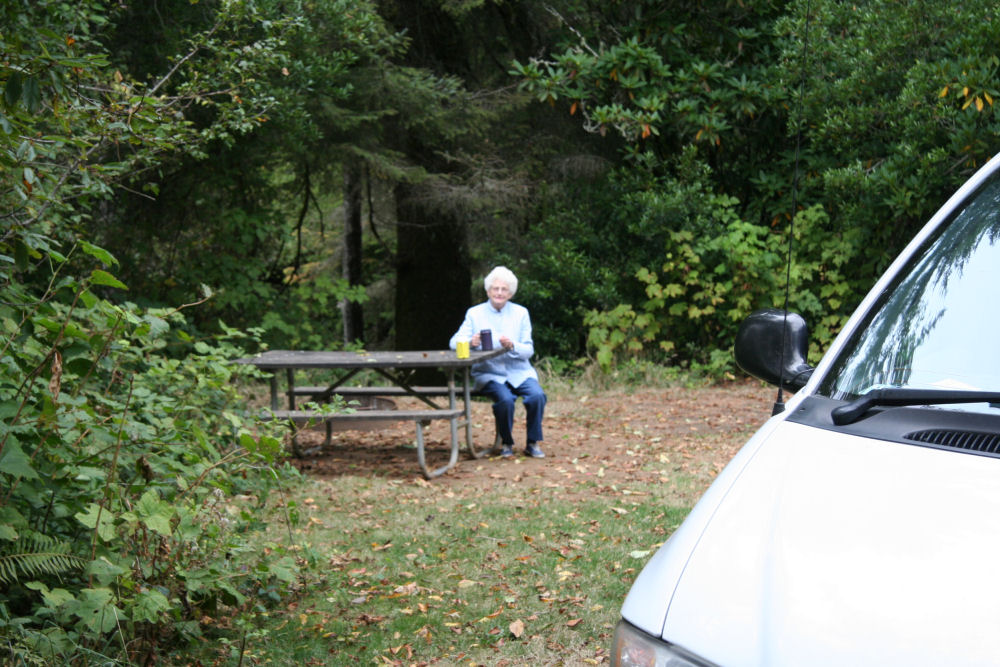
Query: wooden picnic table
{"points": [[398, 368]]}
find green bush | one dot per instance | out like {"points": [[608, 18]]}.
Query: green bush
{"points": [[130, 478], [713, 268]]}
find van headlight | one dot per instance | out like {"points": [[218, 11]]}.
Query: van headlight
{"points": [[634, 648]]}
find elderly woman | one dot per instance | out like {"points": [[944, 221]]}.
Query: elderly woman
{"points": [[509, 375]]}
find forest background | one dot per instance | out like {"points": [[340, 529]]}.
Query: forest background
{"points": [[188, 181]]}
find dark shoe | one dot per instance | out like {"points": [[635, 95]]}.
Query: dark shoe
{"points": [[534, 451], [506, 451]]}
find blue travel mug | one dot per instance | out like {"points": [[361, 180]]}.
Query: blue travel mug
{"points": [[486, 340]]}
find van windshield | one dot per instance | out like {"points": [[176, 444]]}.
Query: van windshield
{"points": [[936, 326]]}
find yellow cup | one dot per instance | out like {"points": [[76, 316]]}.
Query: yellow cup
{"points": [[462, 349]]}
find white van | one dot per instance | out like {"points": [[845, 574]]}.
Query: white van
{"points": [[861, 525]]}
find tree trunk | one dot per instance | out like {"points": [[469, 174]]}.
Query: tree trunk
{"points": [[352, 312], [432, 272]]}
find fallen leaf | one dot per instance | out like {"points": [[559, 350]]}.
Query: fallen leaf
{"points": [[406, 589], [516, 628]]}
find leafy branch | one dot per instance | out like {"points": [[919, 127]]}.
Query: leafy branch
{"points": [[34, 556]]}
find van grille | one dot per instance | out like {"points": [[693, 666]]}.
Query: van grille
{"points": [[977, 442]]}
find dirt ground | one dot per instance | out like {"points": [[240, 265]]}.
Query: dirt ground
{"points": [[612, 438]]}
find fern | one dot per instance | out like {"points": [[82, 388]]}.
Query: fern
{"points": [[36, 555]]}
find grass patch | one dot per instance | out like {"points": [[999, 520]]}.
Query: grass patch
{"points": [[586, 376], [406, 572]]}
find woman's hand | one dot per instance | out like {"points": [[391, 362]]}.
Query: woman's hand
{"points": [[506, 343]]}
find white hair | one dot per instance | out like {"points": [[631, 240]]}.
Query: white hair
{"points": [[504, 275]]}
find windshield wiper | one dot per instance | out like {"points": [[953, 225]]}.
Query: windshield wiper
{"points": [[850, 413]]}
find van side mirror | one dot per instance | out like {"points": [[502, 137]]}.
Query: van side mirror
{"points": [[759, 343]]}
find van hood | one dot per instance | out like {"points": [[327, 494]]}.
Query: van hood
{"points": [[825, 549]]}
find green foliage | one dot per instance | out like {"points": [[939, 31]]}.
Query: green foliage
{"points": [[72, 124], [693, 87], [634, 72], [121, 447], [129, 474], [562, 280], [256, 215], [672, 74], [657, 267], [895, 111], [715, 271], [307, 316], [34, 555], [895, 114]]}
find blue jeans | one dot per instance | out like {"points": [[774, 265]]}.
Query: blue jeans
{"points": [[504, 396]]}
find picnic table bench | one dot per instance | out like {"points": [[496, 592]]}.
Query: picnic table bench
{"points": [[324, 392], [395, 366]]}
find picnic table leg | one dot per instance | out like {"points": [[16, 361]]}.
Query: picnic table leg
{"points": [[453, 422], [274, 392], [466, 398], [476, 453], [296, 452], [290, 376], [421, 459]]}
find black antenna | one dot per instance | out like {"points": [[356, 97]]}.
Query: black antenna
{"points": [[779, 401]]}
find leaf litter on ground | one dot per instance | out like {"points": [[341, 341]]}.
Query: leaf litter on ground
{"points": [[502, 561]]}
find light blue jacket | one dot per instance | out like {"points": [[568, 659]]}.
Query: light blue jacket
{"points": [[512, 321]]}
